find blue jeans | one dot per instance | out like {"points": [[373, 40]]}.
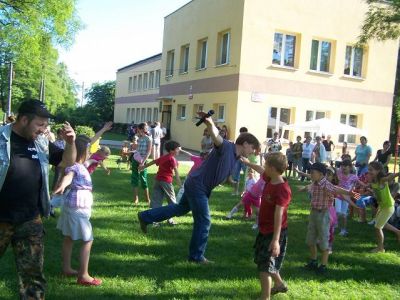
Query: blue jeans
{"points": [[306, 166], [236, 170], [193, 200]]}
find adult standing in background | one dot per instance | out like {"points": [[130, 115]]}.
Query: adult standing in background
{"points": [[329, 147], [157, 134], [297, 151], [306, 155], [164, 138], [275, 143], [25, 153], [319, 152], [363, 154], [384, 155]]}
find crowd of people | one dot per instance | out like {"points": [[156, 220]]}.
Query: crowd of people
{"points": [[336, 186]]}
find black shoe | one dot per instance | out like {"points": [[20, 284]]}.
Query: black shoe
{"points": [[312, 265], [321, 270], [143, 225]]}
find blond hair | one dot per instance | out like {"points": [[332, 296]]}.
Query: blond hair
{"points": [[276, 160]]}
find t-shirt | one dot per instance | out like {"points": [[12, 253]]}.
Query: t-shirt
{"points": [[383, 196], [275, 145], [362, 153], [297, 150], [215, 168], [383, 156], [307, 150], [328, 145], [166, 165], [346, 181], [273, 195], [18, 204], [97, 158], [249, 184], [157, 134]]}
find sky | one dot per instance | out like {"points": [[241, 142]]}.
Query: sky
{"points": [[117, 33]]}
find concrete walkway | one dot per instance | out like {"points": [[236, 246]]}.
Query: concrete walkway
{"points": [[182, 158]]}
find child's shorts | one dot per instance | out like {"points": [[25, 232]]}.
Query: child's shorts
{"points": [[262, 256], [138, 177], [341, 206], [365, 201], [318, 228], [382, 216]]}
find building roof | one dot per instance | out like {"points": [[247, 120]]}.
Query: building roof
{"points": [[142, 62]]}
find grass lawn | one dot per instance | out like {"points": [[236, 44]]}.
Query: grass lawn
{"points": [[114, 136], [153, 266]]}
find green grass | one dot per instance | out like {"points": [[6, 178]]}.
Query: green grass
{"points": [[153, 266], [114, 136]]}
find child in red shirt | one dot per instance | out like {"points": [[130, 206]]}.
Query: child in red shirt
{"points": [[167, 166], [270, 245]]}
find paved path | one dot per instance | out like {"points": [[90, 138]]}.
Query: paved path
{"points": [[182, 158]]}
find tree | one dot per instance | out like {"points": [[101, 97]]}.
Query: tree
{"points": [[101, 100]]}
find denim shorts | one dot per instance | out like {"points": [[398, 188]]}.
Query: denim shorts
{"points": [[262, 256], [365, 201]]}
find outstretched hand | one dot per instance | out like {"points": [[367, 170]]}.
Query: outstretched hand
{"points": [[355, 195], [68, 133], [107, 126]]}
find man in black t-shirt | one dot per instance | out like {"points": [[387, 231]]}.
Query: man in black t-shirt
{"points": [[24, 190], [329, 147]]}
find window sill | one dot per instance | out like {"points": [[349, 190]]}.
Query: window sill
{"points": [[202, 69], [319, 73], [355, 78], [181, 119], [220, 120], [183, 73], [222, 65], [283, 68]]}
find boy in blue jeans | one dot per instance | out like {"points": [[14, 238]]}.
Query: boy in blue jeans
{"points": [[199, 185]]}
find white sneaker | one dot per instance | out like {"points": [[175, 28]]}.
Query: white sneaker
{"points": [[372, 222], [228, 216], [343, 232], [254, 227]]}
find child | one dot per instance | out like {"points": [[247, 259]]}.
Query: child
{"points": [[251, 196], [322, 196], [74, 219], [167, 164], [347, 181], [380, 186], [98, 159], [124, 154]]}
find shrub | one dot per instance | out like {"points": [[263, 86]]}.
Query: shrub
{"points": [[86, 130]]}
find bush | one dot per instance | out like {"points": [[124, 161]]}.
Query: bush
{"points": [[86, 130]]}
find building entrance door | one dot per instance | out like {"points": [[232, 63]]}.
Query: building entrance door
{"points": [[166, 119]]}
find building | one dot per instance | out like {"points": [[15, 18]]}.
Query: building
{"points": [[264, 64]]}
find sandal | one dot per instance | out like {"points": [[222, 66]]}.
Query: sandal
{"points": [[279, 289], [94, 282]]}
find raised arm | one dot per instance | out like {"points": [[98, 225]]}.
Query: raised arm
{"points": [[178, 179], [212, 129], [107, 126], [259, 169], [69, 155], [185, 152], [390, 177], [65, 181]]}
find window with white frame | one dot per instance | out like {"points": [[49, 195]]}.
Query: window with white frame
{"points": [[312, 115], [132, 114], [139, 87], [130, 85], [184, 65], [143, 115], [155, 114], [197, 108], [158, 76], [181, 113], [151, 80], [277, 118], [351, 120], [224, 47], [284, 49], [220, 112], [128, 114], [202, 54], [170, 63], [137, 120], [149, 114], [353, 61], [134, 84], [320, 55], [145, 80]]}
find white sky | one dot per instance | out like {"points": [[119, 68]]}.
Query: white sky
{"points": [[117, 33]]}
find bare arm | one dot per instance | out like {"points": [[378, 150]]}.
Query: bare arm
{"points": [[69, 155], [107, 126], [102, 164], [178, 179], [259, 169], [142, 167], [65, 181], [214, 132], [390, 177], [185, 152], [274, 245]]}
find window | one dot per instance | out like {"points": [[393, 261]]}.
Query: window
{"points": [[137, 120], [128, 113], [151, 80], [130, 85], [202, 54], [158, 76], [132, 115], [320, 55], [149, 114], [184, 66], [139, 87], [353, 61], [181, 115], [143, 115], [196, 109], [284, 50], [220, 112], [134, 85], [312, 115], [170, 63], [155, 114], [224, 48], [348, 120], [145, 80], [277, 118]]}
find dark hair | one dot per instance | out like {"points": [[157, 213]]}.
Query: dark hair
{"points": [[386, 143], [363, 137], [29, 116], [82, 142], [346, 163], [142, 126], [171, 145], [376, 165], [335, 179], [249, 139], [243, 129]]}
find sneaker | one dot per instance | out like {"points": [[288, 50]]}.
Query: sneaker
{"points": [[312, 265], [372, 222], [172, 222], [321, 270], [279, 289], [254, 227], [343, 232], [143, 225], [228, 216], [204, 261]]}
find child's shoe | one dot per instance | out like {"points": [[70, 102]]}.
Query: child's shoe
{"points": [[312, 265], [321, 270], [344, 232], [372, 222], [228, 216], [254, 227], [279, 289]]}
